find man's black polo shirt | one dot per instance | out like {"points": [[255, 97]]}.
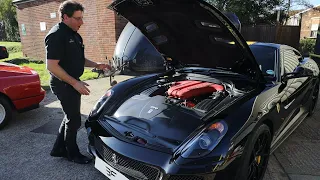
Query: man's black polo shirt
{"points": [[66, 45]]}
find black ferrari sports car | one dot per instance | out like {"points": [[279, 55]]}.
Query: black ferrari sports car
{"points": [[217, 112]]}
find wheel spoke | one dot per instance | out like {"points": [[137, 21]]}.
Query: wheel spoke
{"points": [[261, 144], [260, 169], [257, 172], [251, 172], [252, 163], [2, 113]]}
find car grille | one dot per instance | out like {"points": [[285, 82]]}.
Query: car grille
{"points": [[186, 177], [133, 169]]}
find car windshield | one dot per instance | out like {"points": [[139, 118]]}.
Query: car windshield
{"points": [[265, 57]]}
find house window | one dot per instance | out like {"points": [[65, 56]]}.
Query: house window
{"points": [[314, 30], [313, 34]]}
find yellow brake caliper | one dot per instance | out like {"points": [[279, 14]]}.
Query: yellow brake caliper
{"points": [[258, 159]]}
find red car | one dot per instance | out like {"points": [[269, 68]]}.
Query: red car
{"points": [[20, 90]]}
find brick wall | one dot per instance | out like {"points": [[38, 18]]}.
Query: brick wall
{"points": [[120, 24], [100, 30], [309, 18]]}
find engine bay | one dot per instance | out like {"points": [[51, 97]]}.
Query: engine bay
{"points": [[165, 110], [160, 109], [195, 94], [188, 89], [192, 94]]}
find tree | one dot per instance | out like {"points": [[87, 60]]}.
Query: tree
{"points": [[250, 12], [293, 4], [289, 5], [9, 17]]}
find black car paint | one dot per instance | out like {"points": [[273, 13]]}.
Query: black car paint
{"points": [[179, 46], [265, 104], [164, 159], [257, 109]]}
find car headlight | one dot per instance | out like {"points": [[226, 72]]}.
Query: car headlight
{"points": [[206, 140], [101, 102]]}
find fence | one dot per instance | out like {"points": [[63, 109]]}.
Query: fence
{"points": [[289, 35]]}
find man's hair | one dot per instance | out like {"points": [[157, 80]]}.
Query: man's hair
{"points": [[69, 7]]}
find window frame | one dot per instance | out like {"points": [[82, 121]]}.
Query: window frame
{"points": [[313, 32]]}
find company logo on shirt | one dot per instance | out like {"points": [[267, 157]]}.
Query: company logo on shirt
{"points": [[71, 41]]}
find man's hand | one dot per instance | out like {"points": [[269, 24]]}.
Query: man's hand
{"points": [[81, 87], [101, 66]]}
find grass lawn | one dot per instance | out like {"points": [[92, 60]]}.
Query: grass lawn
{"points": [[12, 47], [45, 76], [8, 44], [16, 57], [12, 56]]}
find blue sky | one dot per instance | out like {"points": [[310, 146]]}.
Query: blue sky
{"points": [[315, 2]]}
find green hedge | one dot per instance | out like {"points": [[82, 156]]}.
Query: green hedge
{"points": [[307, 46], [14, 49]]}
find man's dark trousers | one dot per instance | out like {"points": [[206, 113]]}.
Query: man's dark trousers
{"points": [[70, 100]]}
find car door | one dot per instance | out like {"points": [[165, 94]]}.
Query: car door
{"points": [[293, 91]]}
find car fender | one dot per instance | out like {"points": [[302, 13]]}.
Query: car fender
{"points": [[8, 99]]}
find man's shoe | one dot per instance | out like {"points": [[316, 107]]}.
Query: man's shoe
{"points": [[80, 159], [60, 153]]}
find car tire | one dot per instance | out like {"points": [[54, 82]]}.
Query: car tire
{"points": [[252, 161], [315, 96], [5, 112]]}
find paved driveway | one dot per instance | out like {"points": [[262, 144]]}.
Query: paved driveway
{"points": [[25, 145]]}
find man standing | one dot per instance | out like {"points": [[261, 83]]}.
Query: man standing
{"points": [[66, 62]]}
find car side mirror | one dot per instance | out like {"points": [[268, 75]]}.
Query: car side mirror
{"points": [[297, 73], [306, 55]]}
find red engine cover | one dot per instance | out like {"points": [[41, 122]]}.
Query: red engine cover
{"points": [[188, 89]]}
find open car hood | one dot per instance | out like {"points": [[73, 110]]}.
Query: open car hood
{"points": [[190, 33]]}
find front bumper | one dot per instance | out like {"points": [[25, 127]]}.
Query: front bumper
{"points": [[131, 168], [27, 103], [131, 160]]}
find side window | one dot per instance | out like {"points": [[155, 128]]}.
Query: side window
{"points": [[265, 57], [290, 60]]}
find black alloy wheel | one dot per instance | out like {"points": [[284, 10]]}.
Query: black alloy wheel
{"points": [[314, 102], [259, 157], [255, 156]]}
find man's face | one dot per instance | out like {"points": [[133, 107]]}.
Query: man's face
{"points": [[75, 21]]}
